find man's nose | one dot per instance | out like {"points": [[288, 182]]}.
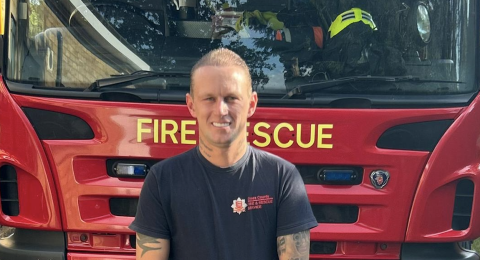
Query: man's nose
{"points": [[222, 107]]}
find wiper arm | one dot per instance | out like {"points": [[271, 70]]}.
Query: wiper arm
{"points": [[321, 85], [121, 80]]}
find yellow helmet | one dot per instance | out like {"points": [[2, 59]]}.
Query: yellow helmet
{"points": [[348, 17]]}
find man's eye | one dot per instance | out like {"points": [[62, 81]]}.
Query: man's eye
{"points": [[231, 98]]}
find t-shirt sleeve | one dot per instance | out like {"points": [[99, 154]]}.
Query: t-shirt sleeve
{"points": [[150, 218], [294, 209]]}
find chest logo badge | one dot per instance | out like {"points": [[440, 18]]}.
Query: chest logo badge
{"points": [[239, 206]]}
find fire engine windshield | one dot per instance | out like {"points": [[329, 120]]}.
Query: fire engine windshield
{"points": [[77, 44]]}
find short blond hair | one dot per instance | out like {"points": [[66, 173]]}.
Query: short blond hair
{"points": [[221, 57]]}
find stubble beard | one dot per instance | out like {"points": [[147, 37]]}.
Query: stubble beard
{"points": [[209, 141]]}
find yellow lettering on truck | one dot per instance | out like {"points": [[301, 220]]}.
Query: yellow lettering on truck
{"points": [[261, 136], [322, 136], [277, 130], [141, 130], [299, 136], [256, 130], [184, 132], [170, 132]]}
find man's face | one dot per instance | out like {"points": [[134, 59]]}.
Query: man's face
{"points": [[221, 103]]}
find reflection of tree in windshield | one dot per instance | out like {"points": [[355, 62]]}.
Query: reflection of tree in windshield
{"points": [[206, 10], [257, 58], [35, 18], [139, 27]]}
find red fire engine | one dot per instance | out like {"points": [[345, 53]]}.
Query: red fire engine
{"points": [[376, 102]]}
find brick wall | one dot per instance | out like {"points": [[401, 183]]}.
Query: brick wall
{"points": [[79, 66]]}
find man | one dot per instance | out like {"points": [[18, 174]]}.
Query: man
{"points": [[223, 199]]}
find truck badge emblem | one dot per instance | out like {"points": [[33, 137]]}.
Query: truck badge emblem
{"points": [[379, 178], [239, 206]]}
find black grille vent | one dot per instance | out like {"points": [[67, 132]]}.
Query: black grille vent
{"points": [[335, 213], [51, 125], [462, 209], [125, 207], [133, 241], [9, 191], [323, 248], [422, 136]]}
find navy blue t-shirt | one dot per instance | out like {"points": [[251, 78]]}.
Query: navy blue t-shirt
{"points": [[230, 213]]}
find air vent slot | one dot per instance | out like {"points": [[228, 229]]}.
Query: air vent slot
{"points": [[422, 136], [323, 248], [462, 209], [125, 207], [133, 241], [51, 125], [335, 213], [9, 191]]}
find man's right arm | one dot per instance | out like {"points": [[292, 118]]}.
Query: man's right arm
{"points": [[150, 248]]}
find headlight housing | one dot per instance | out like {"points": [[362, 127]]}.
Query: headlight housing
{"points": [[420, 25]]}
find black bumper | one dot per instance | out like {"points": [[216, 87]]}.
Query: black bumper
{"points": [[438, 251], [33, 244]]}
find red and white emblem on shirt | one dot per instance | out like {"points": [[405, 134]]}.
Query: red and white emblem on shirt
{"points": [[239, 206]]}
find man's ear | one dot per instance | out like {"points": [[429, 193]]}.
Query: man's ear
{"points": [[252, 104], [189, 101]]}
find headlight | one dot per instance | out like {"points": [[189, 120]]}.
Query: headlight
{"points": [[423, 23], [419, 23]]}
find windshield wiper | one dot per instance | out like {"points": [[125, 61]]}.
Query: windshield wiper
{"points": [[123, 80], [321, 85]]}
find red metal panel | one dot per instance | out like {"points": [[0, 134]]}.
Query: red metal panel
{"points": [[84, 185], [457, 156], [20, 148]]}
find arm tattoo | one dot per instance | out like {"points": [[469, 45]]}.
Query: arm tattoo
{"points": [[281, 247], [147, 243], [295, 246], [302, 242]]}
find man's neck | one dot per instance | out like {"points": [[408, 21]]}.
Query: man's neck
{"points": [[223, 156]]}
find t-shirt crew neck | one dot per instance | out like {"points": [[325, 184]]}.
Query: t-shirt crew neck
{"points": [[230, 169]]}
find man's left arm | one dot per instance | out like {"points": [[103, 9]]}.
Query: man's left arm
{"points": [[294, 246]]}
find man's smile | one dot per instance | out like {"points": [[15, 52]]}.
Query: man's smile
{"points": [[221, 124]]}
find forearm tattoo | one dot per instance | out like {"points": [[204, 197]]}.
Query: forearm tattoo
{"points": [[295, 246], [281, 246], [147, 243]]}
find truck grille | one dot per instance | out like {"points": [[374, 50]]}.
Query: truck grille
{"points": [[335, 213], [462, 209], [9, 191], [125, 207], [323, 248]]}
